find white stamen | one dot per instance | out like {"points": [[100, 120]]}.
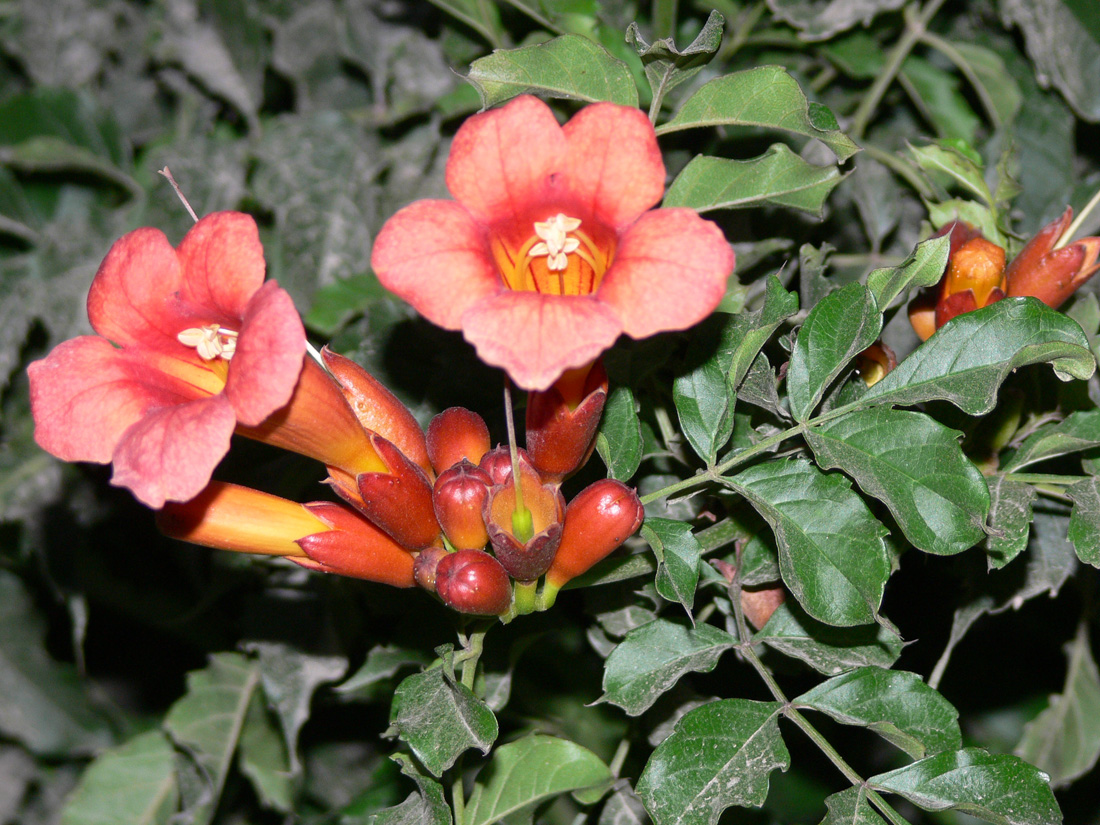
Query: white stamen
{"points": [[556, 244], [210, 341]]}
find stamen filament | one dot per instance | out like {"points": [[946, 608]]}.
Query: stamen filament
{"points": [[523, 525]]}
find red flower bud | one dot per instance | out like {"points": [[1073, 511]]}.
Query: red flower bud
{"points": [[1050, 274], [472, 581], [400, 501], [525, 558], [455, 434], [562, 422], [599, 519], [354, 547], [378, 409], [424, 569], [498, 463], [459, 497]]}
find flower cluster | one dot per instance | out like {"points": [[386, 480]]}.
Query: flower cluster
{"points": [[193, 347], [1046, 268]]}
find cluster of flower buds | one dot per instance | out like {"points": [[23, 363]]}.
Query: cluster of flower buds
{"points": [[436, 509], [1047, 268]]}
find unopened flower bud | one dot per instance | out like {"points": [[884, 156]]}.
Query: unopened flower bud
{"points": [[352, 546], [525, 558], [498, 463], [459, 499], [598, 520], [378, 409], [562, 422], [472, 581], [1049, 274], [975, 278], [424, 569], [400, 501], [456, 434]]}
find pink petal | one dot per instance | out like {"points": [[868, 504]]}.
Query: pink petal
{"points": [[535, 338], [170, 454], [501, 160], [130, 301], [436, 256], [268, 358], [669, 272], [223, 264], [87, 393], [615, 166]]}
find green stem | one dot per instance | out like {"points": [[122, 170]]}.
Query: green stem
{"points": [[1042, 478], [914, 31], [458, 797], [948, 50], [900, 168], [545, 22], [471, 655]]}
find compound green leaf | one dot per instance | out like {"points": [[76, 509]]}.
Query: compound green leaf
{"points": [[765, 96], [619, 441], [821, 19], [425, 806], [955, 167], [924, 267], [529, 771], [678, 553], [207, 724], [1064, 740], [132, 784], [1009, 519], [831, 552], [704, 403], [778, 177], [1012, 333], [753, 329], [44, 706], [1079, 431], [850, 807], [1064, 51], [718, 755], [1084, 520], [568, 66], [666, 66], [914, 465], [651, 659], [895, 704], [440, 718], [827, 649], [997, 788], [839, 327]]}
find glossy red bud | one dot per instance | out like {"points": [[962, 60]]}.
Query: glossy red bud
{"points": [[498, 463], [400, 501], [599, 519], [424, 569], [456, 434], [459, 498], [354, 547], [472, 581], [562, 424]]}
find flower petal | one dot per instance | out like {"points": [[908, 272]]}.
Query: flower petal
{"points": [[130, 299], [670, 271], [435, 255], [170, 453], [615, 166], [535, 338], [268, 358], [223, 263], [87, 393], [502, 160]]}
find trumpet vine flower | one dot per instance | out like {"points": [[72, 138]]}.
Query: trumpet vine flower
{"points": [[191, 342], [552, 248]]}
